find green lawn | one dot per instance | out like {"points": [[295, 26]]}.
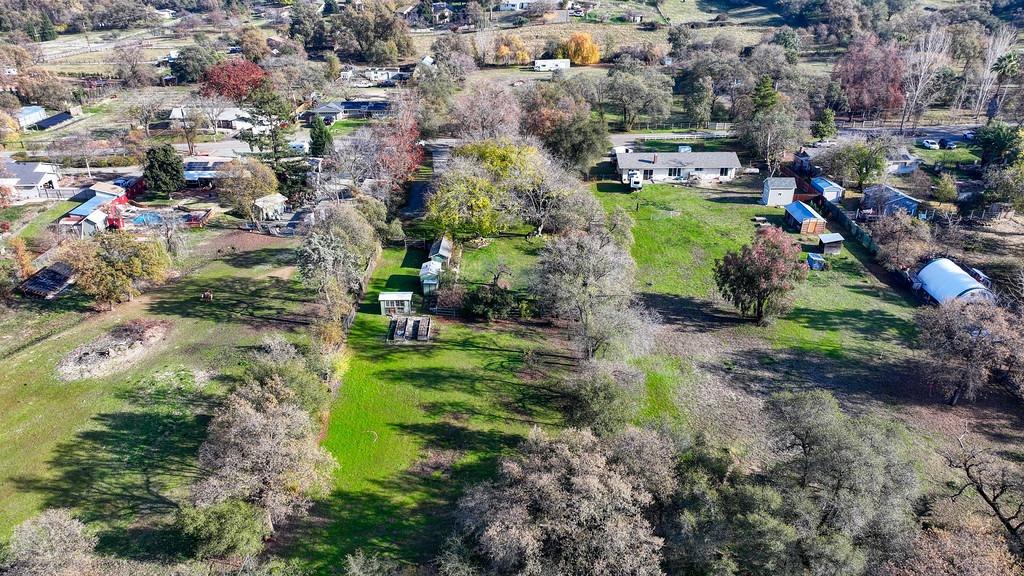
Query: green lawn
{"points": [[120, 449], [39, 223], [962, 154], [680, 232], [518, 253], [414, 423], [347, 126], [13, 213]]}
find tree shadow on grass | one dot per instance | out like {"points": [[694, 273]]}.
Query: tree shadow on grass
{"points": [[247, 259], [408, 515], [612, 188], [413, 258], [262, 303], [121, 474]]}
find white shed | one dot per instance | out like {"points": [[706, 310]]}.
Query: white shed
{"points": [[944, 280], [778, 191], [441, 250], [392, 303], [269, 207], [430, 276]]}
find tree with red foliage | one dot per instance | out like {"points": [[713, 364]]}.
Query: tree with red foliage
{"points": [[233, 79], [399, 153], [757, 278], [871, 75]]}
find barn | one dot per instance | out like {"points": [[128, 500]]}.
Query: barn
{"points": [[804, 218]]}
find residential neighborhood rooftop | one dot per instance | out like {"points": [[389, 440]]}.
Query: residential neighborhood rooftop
{"points": [[647, 160]]}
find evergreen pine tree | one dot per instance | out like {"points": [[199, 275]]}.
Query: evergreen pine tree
{"points": [[321, 141], [764, 97], [825, 127], [164, 172], [47, 30], [30, 30]]}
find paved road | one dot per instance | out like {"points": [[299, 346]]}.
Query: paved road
{"points": [[954, 132], [632, 138]]}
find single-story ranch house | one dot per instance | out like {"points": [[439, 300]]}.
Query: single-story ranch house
{"points": [[679, 166], [30, 180], [333, 111]]}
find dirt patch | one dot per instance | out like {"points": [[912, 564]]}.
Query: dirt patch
{"points": [[117, 349], [238, 241]]}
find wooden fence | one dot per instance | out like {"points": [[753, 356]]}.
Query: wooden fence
{"points": [[854, 230]]}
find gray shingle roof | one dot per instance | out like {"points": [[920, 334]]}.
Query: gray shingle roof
{"points": [[29, 174], [781, 182], [651, 160]]}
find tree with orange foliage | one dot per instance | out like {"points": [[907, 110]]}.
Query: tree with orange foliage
{"points": [[22, 258], [509, 49], [582, 49]]}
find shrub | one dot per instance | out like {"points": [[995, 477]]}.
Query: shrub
{"points": [[230, 528], [489, 302]]}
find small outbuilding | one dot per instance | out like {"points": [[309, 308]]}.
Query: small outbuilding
{"points": [[430, 277], [270, 207], [828, 189], [392, 303], [804, 218], [884, 200], [441, 250], [943, 280], [778, 191], [830, 243]]}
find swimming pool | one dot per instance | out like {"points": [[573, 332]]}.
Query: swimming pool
{"points": [[148, 219]]}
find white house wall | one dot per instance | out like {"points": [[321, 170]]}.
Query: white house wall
{"points": [[661, 175]]}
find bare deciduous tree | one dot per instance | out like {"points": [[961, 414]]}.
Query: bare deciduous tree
{"points": [[263, 452], [970, 344], [211, 107], [145, 110], [998, 45], [565, 506], [924, 59], [902, 240], [585, 281], [486, 110], [53, 543], [994, 481]]}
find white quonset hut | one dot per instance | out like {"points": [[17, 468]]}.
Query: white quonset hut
{"points": [[943, 280]]}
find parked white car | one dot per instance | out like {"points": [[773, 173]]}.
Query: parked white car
{"points": [[930, 144]]}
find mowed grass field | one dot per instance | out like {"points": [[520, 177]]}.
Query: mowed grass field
{"points": [[681, 232], [415, 423], [120, 449]]}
